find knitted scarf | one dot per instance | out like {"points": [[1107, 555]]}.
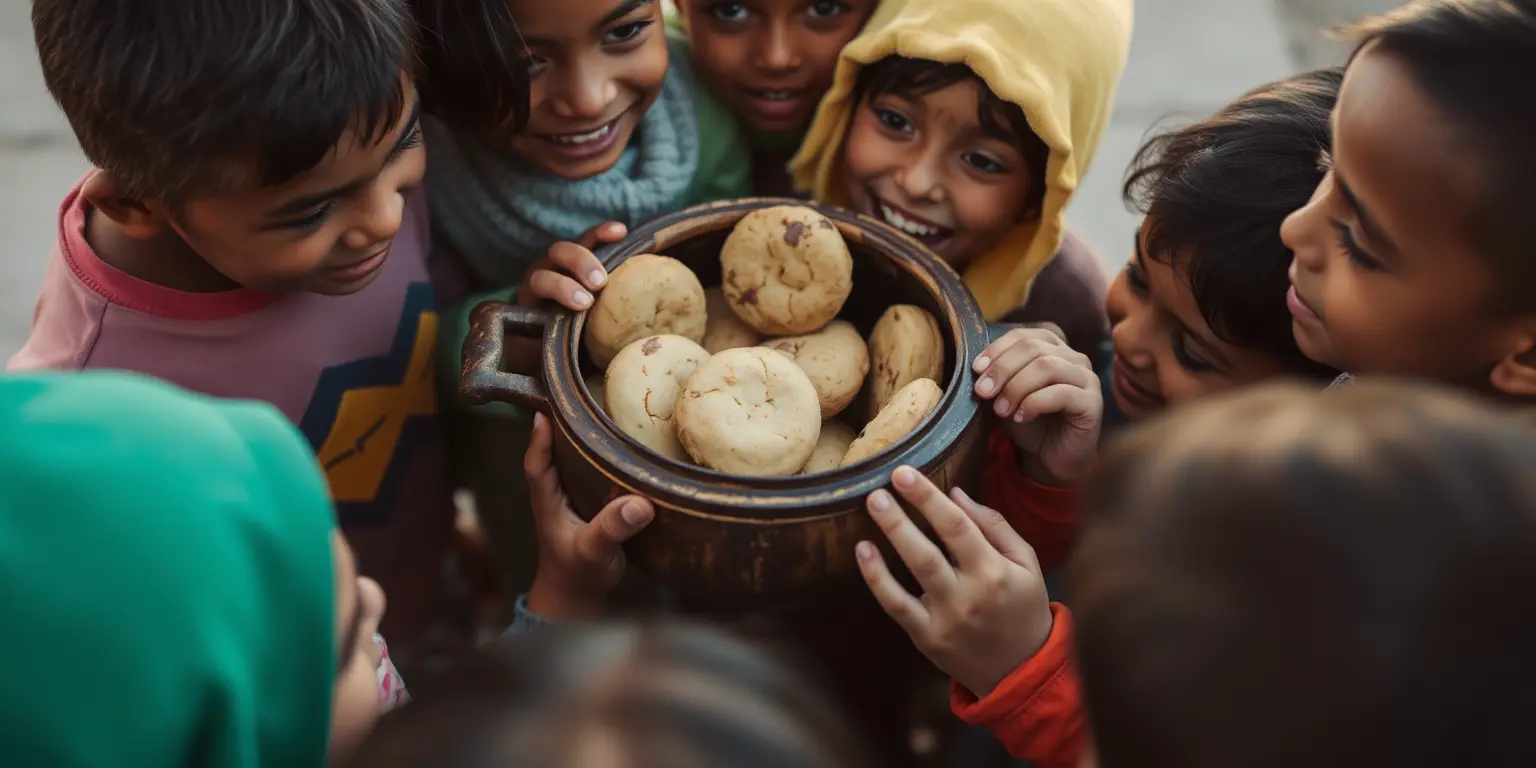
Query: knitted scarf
{"points": [[501, 213]]}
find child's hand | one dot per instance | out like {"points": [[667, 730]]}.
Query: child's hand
{"points": [[579, 562], [569, 274], [978, 619], [1049, 396]]}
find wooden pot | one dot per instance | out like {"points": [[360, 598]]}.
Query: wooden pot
{"points": [[737, 542]]}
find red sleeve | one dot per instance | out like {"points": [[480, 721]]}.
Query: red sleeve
{"points": [[1037, 711], [1045, 517]]}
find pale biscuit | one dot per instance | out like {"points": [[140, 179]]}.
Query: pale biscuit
{"points": [[750, 412], [830, 449], [725, 330], [642, 384], [835, 358], [905, 345], [903, 414], [787, 270], [648, 295]]}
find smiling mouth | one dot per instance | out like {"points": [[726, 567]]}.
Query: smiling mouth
{"points": [[911, 223], [579, 139]]}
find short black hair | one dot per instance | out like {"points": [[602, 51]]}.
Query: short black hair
{"points": [[1283, 577], [909, 78], [1216, 192], [664, 694], [180, 98], [1474, 59], [475, 65]]}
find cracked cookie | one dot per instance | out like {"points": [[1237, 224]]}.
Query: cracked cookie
{"points": [[647, 295], [642, 385], [786, 270], [725, 330], [830, 448], [835, 359], [750, 412], [896, 420], [905, 345]]}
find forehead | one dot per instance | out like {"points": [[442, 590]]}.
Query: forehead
{"points": [[956, 104], [571, 18], [1399, 154]]}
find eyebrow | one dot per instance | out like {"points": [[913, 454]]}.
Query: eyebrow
{"points": [[1367, 221], [624, 9], [301, 205], [348, 640]]}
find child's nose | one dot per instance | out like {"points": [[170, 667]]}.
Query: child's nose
{"points": [[586, 95], [777, 52]]}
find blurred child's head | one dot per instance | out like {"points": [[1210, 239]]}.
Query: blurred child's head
{"points": [[275, 140], [616, 695], [1417, 255], [590, 71], [771, 60], [1201, 307], [1284, 577], [935, 153], [185, 599]]}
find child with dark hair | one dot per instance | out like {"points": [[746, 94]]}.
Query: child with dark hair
{"points": [[663, 695], [1200, 308], [250, 232], [1415, 256]]}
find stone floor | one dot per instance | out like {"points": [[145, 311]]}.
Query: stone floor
{"points": [[1188, 58]]}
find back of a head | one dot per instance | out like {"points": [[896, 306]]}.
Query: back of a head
{"points": [[616, 695], [1215, 193], [1473, 59], [1283, 578], [182, 98]]}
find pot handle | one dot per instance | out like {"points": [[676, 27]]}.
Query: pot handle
{"points": [[482, 380], [996, 331]]}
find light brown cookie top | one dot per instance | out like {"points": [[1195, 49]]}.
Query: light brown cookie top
{"points": [[835, 358], [787, 270], [906, 344], [830, 449], [901, 415], [725, 330], [642, 384], [751, 412], [647, 295]]}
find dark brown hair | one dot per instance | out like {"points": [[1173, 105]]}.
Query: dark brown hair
{"points": [[1288, 578], [475, 65]]}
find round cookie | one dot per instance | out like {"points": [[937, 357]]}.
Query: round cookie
{"points": [[897, 420], [647, 295], [787, 270], [598, 388], [642, 384], [749, 412], [830, 449], [905, 345], [725, 330], [835, 358]]}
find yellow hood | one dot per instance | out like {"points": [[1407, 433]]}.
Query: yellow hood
{"points": [[1059, 60]]}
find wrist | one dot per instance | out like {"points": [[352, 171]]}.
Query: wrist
{"points": [[553, 598]]}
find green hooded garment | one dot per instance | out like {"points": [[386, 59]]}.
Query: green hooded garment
{"points": [[166, 579]]}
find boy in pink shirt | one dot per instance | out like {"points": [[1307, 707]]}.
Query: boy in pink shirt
{"points": [[250, 233]]}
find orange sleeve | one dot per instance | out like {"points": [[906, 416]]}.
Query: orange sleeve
{"points": [[1037, 711], [1044, 516]]}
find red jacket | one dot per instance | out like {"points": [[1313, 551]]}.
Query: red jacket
{"points": [[1045, 517]]}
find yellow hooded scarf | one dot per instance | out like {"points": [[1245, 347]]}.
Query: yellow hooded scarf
{"points": [[1059, 60]]}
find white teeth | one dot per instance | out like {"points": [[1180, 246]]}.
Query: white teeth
{"points": [[777, 95], [584, 138], [905, 224]]}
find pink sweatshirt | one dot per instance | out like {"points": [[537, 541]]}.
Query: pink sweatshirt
{"points": [[355, 373]]}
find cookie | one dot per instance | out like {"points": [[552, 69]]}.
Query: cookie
{"points": [[598, 389], [905, 345], [751, 412], [901, 415], [725, 330], [642, 384], [647, 295], [835, 358], [830, 449], [787, 270]]}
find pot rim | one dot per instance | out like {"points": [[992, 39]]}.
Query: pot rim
{"points": [[682, 486]]}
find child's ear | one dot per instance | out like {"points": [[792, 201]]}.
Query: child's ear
{"points": [[135, 217], [1516, 374]]}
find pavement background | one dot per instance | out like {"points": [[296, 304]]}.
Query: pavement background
{"points": [[1188, 58]]}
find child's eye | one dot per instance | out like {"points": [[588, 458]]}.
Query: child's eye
{"points": [[1187, 357], [893, 120], [1137, 280], [537, 64], [984, 162], [1356, 254], [826, 9], [312, 219], [625, 32], [729, 11]]}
